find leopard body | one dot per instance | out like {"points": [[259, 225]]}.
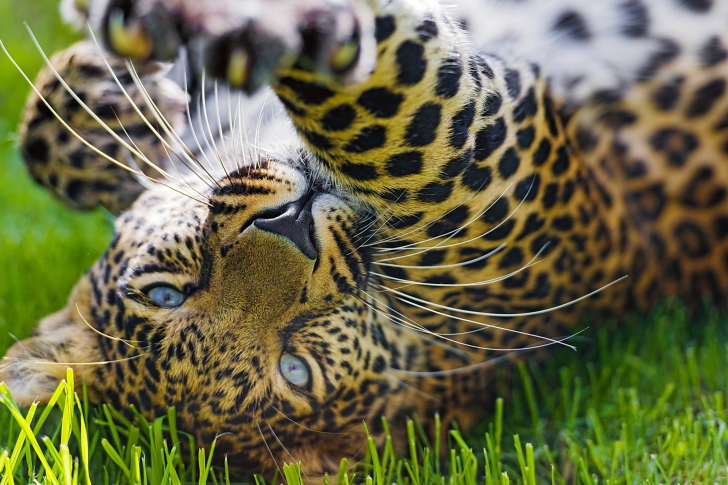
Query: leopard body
{"points": [[463, 192]]}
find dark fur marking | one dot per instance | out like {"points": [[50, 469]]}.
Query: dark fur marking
{"points": [[675, 144], [381, 102], [37, 150], [412, 63], [435, 192], [636, 20], [692, 239], [668, 51], [489, 139], [525, 137], [562, 162], [369, 138], [497, 211], [461, 122], [513, 83], [697, 6], [384, 27], [457, 165], [477, 178], [492, 104], [402, 164], [526, 108], [713, 52], [422, 130], [572, 25], [448, 77], [338, 118], [427, 30], [509, 163], [310, 93], [527, 189], [705, 97], [359, 171]]}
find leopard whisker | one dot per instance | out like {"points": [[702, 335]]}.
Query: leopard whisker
{"points": [[418, 229], [226, 151], [459, 370], [388, 213], [99, 332], [238, 153], [451, 234], [417, 391], [209, 138], [424, 330], [455, 265], [158, 115], [191, 126], [410, 325], [304, 427], [509, 315], [284, 446], [265, 442], [256, 136], [160, 118], [473, 367], [167, 152], [131, 158], [531, 262], [100, 362]]}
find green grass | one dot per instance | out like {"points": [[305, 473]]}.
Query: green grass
{"points": [[642, 402], [44, 247]]}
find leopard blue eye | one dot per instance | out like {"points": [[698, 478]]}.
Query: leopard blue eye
{"points": [[294, 370], [166, 296]]}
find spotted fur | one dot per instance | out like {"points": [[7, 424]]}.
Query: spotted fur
{"points": [[459, 192]]}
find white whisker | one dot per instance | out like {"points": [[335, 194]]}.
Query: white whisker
{"points": [[284, 446], [455, 265], [531, 262], [99, 332], [549, 341], [210, 138], [226, 152], [265, 442], [508, 315]]}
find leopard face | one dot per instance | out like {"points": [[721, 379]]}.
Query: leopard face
{"points": [[245, 312]]}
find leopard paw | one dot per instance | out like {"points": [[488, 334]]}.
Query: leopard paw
{"points": [[248, 44]]}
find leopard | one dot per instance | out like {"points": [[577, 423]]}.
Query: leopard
{"points": [[460, 186]]}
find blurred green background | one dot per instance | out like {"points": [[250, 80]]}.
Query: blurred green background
{"points": [[44, 247]]}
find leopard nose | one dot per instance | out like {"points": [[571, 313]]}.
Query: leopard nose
{"points": [[295, 223]]}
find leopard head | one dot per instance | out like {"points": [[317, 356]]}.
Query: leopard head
{"points": [[244, 308]]}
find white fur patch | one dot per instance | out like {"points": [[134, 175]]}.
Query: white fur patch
{"points": [[607, 59]]}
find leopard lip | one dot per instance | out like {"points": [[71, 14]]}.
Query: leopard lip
{"points": [[296, 223]]}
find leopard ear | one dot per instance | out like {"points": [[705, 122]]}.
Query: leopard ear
{"points": [[33, 368]]}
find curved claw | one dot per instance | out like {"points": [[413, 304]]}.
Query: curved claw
{"points": [[343, 57], [237, 70], [128, 40]]}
